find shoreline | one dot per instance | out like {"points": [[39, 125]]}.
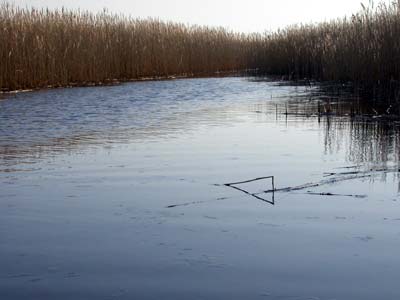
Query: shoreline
{"points": [[116, 82]]}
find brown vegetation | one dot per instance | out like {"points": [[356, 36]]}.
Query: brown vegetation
{"points": [[41, 48], [363, 49]]}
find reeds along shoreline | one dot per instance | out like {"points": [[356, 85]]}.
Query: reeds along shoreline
{"points": [[363, 49], [41, 48]]}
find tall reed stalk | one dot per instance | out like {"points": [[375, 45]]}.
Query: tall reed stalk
{"points": [[363, 49], [41, 48]]}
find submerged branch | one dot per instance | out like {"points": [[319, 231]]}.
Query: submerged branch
{"points": [[340, 177], [195, 202], [337, 195]]}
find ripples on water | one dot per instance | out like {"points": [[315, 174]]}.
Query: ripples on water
{"points": [[47, 122], [119, 188]]}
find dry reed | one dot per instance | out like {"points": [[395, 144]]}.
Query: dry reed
{"points": [[41, 48], [363, 49]]}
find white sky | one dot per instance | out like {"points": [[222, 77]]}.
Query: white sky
{"points": [[239, 15]]}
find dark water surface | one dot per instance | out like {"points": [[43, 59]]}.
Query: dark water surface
{"points": [[116, 193]]}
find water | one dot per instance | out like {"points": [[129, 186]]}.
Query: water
{"points": [[117, 193]]}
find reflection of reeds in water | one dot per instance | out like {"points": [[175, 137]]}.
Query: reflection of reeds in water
{"points": [[41, 48], [376, 142], [346, 125]]}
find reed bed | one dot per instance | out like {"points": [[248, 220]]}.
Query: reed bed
{"points": [[43, 48], [363, 49]]}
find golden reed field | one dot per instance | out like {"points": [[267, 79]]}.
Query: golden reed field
{"points": [[44, 48]]}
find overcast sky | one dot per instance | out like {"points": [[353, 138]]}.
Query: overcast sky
{"points": [[239, 15]]}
